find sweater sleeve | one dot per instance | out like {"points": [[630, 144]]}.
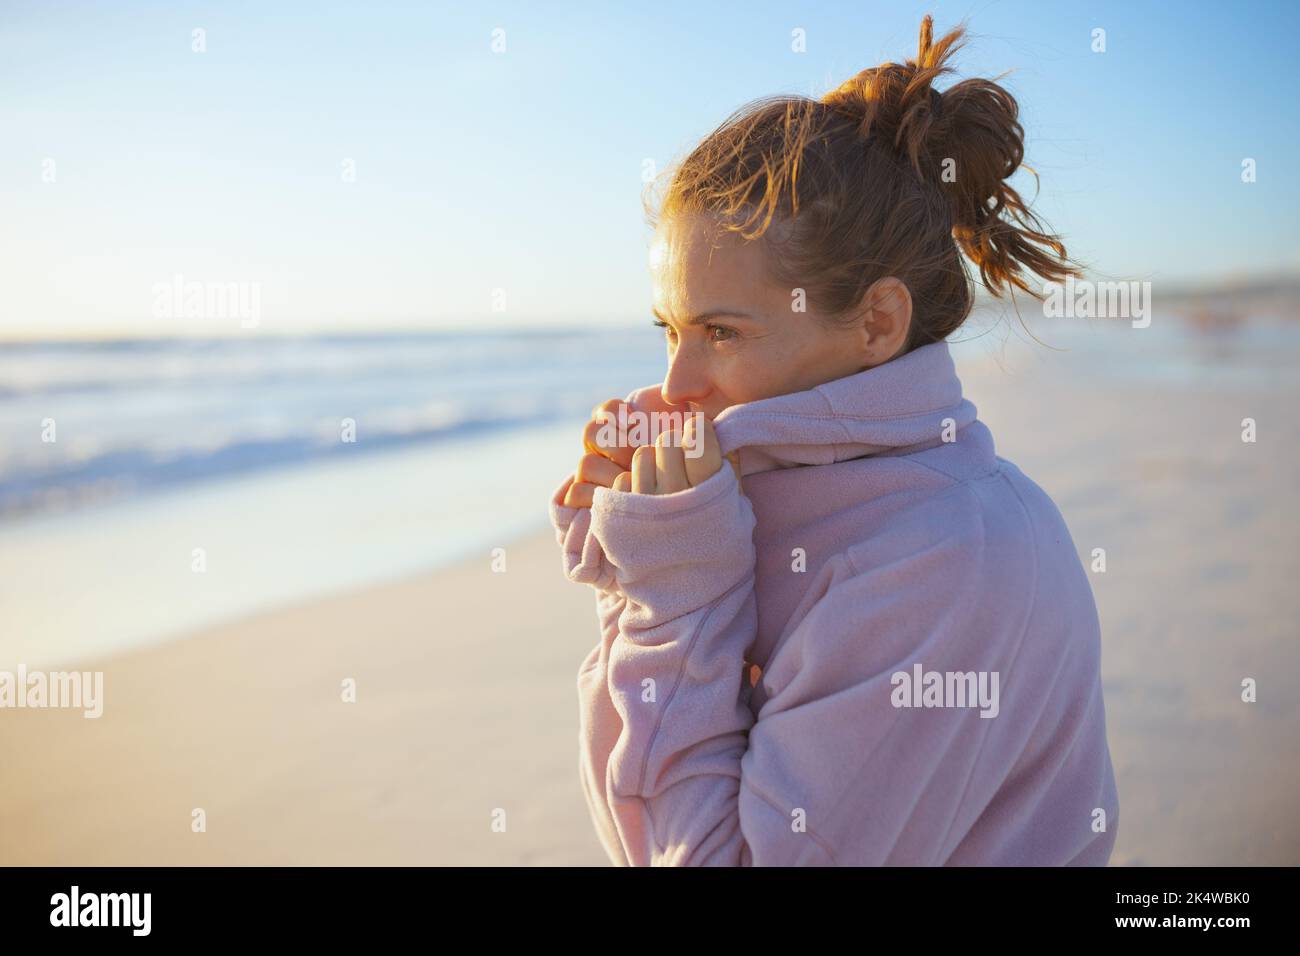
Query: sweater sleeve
{"points": [[676, 725], [598, 722]]}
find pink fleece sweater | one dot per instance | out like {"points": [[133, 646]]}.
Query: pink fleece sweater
{"points": [[928, 643]]}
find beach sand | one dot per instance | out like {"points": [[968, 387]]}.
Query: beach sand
{"points": [[465, 705], [465, 678]]}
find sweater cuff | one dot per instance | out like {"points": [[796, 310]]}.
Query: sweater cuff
{"points": [[678, 552], [583, 560]]}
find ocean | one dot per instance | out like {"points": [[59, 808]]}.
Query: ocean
{"points": [[86, 422]]}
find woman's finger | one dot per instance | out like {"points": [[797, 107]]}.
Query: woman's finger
{"points": [[623, 482], [579, 495], [604, 437], [597, 469], [703, 457], [670, 464], [643, 470]]}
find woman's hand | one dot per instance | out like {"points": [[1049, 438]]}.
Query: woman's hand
{"points": [[605, 459], [611, 461], [664, 467]]}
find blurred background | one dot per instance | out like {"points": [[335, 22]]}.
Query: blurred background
{"points": [[302, 308]]}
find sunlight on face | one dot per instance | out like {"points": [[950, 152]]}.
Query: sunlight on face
{"points": [[733, 336]]}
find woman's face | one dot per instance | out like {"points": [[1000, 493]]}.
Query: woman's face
{"points": [[735, 337]]}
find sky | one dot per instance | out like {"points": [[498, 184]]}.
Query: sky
{"points": [[380, 165]]}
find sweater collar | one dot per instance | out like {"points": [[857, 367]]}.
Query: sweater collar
{"points": [[893, 409]]}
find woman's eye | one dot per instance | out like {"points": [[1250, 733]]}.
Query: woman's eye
{"points": [[716, 333]]}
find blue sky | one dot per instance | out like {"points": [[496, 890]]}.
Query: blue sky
{"points": [[521, 170]]}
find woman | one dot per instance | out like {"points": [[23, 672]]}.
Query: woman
{"points": [[869, 639]]}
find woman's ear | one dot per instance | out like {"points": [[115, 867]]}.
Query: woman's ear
{"points": [[886, 316]]}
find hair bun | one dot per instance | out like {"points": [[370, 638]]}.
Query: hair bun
{"points": [[896, 103], [966, 142]]}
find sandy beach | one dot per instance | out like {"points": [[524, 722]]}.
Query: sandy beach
{"points": [[464, 705], [465, 702]]}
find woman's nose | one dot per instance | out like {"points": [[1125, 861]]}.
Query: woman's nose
{"points": [[687, 379]]}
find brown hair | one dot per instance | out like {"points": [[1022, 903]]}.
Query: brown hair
{"points": [[883, 176]]}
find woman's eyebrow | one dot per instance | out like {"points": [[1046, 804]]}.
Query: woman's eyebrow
{"points": [[703, 317]]}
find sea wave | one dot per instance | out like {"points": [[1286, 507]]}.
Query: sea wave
{"points": [[82, 422]]}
